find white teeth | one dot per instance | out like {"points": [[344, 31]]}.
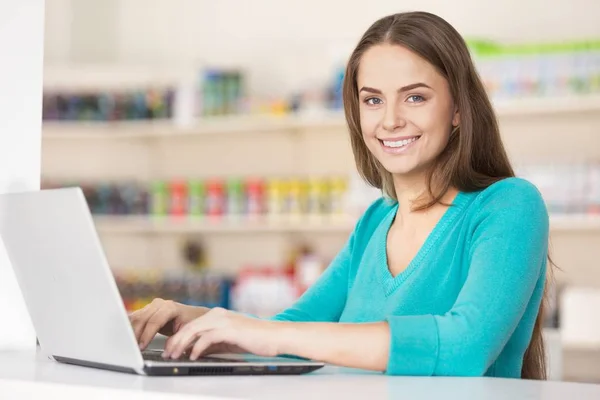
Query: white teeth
{"points": [[399, 143]]}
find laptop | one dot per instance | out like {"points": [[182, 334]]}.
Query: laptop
{"points": [[73, 299]]}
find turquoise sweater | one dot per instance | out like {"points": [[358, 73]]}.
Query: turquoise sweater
{"points": [[467, 303]]}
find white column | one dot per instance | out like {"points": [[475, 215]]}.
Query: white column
{"points": [[21, 70]]}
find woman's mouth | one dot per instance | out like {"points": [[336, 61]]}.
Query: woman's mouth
{"points": [[398, 145]]}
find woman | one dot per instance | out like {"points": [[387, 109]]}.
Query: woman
{"points": [[445, 274]]}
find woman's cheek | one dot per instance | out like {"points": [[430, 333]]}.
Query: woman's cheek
{"points": [[368, 123]]}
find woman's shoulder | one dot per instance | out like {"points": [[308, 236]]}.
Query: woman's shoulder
{"points": [[373, 215], [511, 198], [510, 192]]}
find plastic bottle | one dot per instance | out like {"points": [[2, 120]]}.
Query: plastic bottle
{"points": [[235, 198], [178, 198], [196, 198], [159, 198]]}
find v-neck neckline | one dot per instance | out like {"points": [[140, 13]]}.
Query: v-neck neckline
{"points": [[387, 279]]}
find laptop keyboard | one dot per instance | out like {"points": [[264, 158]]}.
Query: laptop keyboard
{"points": [[157, 356]]}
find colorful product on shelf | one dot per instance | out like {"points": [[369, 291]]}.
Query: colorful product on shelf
{"points": [[142, 104], [275, 198], [290, 198], [566, 188], [178, 198], [538, 70], [266, 290], [296, 195], [317, 195], [222, 92], [263, 291], [337, 197], [111, 199], [159, 198], [196, 198], [255, 197], [235, 197], [256, 289], [139, 286], [215, 198]]}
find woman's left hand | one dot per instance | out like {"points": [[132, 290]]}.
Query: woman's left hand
{"points": [[220, 328]]}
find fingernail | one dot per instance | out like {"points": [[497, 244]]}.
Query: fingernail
{"points": [[165, 354]]}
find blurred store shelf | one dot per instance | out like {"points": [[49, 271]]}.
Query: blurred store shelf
{"points": [[548, 105], [208, 126], [168, 225], [285, 123], [344, 225], [576, 222]]}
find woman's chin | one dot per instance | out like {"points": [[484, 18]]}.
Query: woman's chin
{"points": [[405, 170]]}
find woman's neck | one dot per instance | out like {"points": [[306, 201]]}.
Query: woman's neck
{"points": [[410, 190]]}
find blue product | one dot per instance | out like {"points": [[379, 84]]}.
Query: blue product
{"points": [[337, 89], [73, 108], [210, 100]]}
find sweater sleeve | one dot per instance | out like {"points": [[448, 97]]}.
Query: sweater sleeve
{"points": [[508, 254], [325, 299]]}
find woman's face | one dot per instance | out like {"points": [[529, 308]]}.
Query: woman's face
{"points": [[406, 109]]}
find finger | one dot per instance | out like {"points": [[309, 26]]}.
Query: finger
{"points": [[155, 323], [184, 338], [188, 333], [138, 319], [205, 341], [141, 317]]}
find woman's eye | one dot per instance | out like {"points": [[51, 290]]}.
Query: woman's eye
{"points": [[373, 101], [415, 98]]}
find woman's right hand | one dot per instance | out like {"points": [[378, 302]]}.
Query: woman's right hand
{"points": [[162, 316]]}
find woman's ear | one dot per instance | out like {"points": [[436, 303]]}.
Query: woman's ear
{"points": [[456, 118]]}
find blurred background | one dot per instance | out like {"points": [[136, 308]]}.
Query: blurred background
{"points": [[209, 140]]}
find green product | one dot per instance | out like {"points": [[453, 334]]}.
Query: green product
{"points": [[229, 93], [196, 193], [237, 92], [209, 90], [159, 198], [220, 89], [235, 196]]}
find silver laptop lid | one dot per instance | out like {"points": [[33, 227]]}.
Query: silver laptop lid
{"points": [[68, 287]]}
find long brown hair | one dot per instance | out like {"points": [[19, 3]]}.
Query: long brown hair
{"points": [[475, 156]]}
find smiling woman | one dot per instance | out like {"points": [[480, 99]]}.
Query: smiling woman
{"points": [[443, 275], [395, 113]]}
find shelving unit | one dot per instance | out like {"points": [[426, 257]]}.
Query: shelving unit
{"points": [[339, 224], [549, 130], [185, 225], [527, 107], [71, 130], [575, 223]]}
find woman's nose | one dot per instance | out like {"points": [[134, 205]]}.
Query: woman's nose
{"points": [[393, 119]]}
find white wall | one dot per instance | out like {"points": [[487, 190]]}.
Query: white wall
{"points": [[283, 43], [20, 139]]}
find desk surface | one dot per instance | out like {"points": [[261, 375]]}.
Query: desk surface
{"points": [[28, 374]]}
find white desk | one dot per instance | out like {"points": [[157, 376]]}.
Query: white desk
{"points": [[28, 375]]}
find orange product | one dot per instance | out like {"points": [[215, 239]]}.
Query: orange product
{"points": [[178, 198]]}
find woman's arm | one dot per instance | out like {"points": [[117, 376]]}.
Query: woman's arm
{"points": [[364, 346]]}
